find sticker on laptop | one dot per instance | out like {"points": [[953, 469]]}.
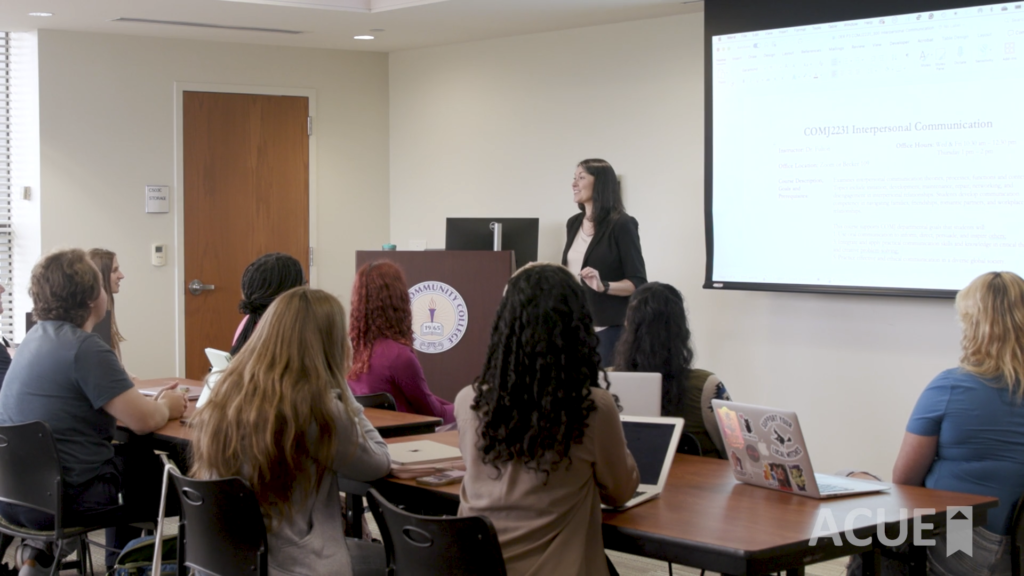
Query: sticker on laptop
{"points": [[774, 418], [737, 464], [730, 427], [753, 454], [796, 473], [768, 476], [763, 449], [747, 428], [781, 476]]}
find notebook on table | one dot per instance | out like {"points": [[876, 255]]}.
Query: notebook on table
{"points": [[422, 452], [652, 441], [766, 448], [193, 394]]}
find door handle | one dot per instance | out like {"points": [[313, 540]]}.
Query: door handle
{"points": [[196, 287]]}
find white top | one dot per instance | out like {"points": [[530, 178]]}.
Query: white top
{"points": [[574, 259]]}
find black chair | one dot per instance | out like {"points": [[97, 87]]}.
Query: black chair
{"points": [[688, 444], [221, 528], [30, 476], [381, 400], [1017, 538], [429, 546]]}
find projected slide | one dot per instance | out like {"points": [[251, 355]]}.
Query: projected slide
{"points": [[875, 153]]}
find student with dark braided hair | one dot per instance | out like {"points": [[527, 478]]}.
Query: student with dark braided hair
{"points": [[542, 442], [264, 280]]}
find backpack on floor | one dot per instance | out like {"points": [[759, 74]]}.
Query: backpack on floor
{"points": [[137, 557]]}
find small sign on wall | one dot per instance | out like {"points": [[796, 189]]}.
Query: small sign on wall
{"points": [[158, 199]]}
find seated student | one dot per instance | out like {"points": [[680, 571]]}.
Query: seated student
{"points": [[382, 343], [282, 418], [543, 444], [67, 377], [966, 433], [656, 338], [267, 277]]}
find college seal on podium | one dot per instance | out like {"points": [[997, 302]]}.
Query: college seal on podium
{"points": [[439, 317]]}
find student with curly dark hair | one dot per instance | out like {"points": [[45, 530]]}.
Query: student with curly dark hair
{"points": [[383, 360], [657, 339], [542, 442], [265, 279]]}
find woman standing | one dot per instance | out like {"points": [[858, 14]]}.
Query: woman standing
{"points": [[602, 247], [383, 360], [542, 442]]}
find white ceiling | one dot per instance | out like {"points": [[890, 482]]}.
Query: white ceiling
{"points": [[433, 24]]}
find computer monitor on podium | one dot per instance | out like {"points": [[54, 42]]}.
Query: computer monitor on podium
{"points": [[517, 234]]}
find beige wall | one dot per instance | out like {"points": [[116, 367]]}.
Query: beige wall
{"points": [[496, 128], [107, 128]]}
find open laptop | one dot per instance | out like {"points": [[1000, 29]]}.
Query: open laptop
{"points": [[219, 361], [639, 393], [653, 442], [766, 448]]}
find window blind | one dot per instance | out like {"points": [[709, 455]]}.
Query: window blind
{"points": [[6, 231]]}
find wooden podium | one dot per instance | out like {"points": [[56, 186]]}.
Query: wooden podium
{"points": [[478, 278]]}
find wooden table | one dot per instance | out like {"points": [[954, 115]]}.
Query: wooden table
{"points": [[390, 424], [706, 519]]}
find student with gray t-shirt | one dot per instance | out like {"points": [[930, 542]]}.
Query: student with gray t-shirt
{"points": [[70, 379]]}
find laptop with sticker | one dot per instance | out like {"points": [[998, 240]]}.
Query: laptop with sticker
{"points": [[652, 441], [766, 448]]}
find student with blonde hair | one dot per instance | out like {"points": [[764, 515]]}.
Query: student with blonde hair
{"points": [[283, 419], [966, 433]]}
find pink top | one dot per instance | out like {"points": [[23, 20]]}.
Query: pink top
{"points": [[394, 369], [239, 330]]}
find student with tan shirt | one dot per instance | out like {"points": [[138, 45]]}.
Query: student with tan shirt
{"points": [[543, 444]]}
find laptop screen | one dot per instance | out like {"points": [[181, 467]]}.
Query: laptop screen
{"points": [[649, 443]]}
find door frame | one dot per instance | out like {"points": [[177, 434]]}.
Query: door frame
{"points": [[177, 192]]}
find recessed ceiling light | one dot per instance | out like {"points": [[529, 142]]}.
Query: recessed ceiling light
{"points": [[363, 37], [40, 13]]}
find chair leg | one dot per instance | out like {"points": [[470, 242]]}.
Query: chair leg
{"points": [[57, 548]]}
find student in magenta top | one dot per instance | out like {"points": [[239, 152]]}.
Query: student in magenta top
{"points": [[381, 333]]}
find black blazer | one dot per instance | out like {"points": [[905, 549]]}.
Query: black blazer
{"points": [[615, 253]]}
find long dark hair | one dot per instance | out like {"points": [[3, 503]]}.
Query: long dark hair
{"points": [[607, 197], [264, 280], [656, 338], [533, 397]]}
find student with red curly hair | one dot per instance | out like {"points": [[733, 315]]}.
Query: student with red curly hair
{"points": [[381, 333]]}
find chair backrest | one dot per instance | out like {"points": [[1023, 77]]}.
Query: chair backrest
{"points": [[1017, 538], [688, 444], [428, 546], [30, 472], [381, 400], [221, 531]]}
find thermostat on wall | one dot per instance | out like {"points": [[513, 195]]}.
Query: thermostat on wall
{"points": [[159, 255]]}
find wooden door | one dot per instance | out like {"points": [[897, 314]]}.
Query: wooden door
{"points": [[246, 160]]}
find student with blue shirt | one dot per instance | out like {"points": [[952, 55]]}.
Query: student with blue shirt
{"points": [[966, 433], [70, 379]]}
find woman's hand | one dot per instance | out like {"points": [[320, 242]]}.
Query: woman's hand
{"points": [[592, 278]]}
